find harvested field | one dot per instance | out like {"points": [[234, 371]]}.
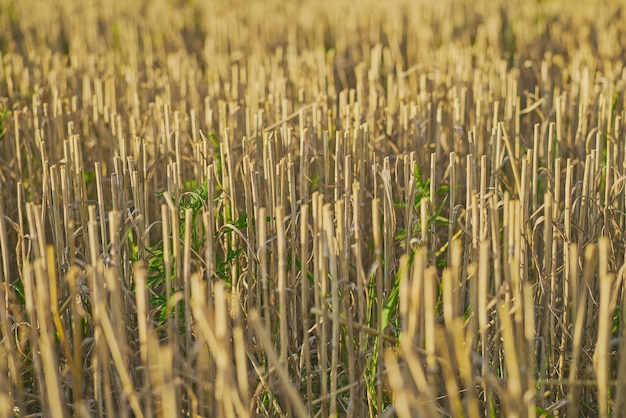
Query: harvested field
{"points": [[312, 208]]}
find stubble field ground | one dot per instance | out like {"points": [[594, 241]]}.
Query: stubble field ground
{"points": [[312, 208]]}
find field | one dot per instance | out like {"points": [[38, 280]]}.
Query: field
{"points": [[312, 208]]}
